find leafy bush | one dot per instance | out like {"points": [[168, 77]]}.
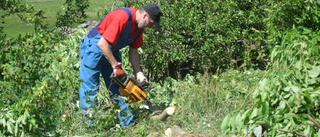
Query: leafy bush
{"points": [[284, 15], [39, 75], [41, 89], [288, 95], [214, 34]]}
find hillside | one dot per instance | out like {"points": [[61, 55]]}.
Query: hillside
{"points": [[230, 68]]}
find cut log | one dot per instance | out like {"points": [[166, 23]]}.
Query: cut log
{"points": [[169, 111]]}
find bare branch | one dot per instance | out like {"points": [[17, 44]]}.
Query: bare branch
{"points": [[313, 120], [293, 132]]}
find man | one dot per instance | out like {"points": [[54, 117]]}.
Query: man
{"points": [[100, 54]]}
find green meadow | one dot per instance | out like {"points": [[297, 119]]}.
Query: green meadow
{"points": [[14, 26]]}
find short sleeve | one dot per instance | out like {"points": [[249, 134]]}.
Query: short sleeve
{"points": [[114, 30]]}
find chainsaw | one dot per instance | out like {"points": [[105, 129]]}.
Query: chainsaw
{"points": [[135, 91]]}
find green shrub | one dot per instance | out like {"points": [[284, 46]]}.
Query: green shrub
{"points": [[39, 74], [215, 35], [211, 34], [288, 93], [282, 15]]}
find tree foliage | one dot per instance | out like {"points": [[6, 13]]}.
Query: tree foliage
{"points": [[73, 13], [206, 35], [215, 35]]}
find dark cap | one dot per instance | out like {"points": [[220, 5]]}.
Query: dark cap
{"points": [[155, 13]]}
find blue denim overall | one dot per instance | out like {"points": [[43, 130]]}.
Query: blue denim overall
{"points": [[93, 63]]}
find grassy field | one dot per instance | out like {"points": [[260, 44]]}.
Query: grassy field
{"points": [[14, 26]]}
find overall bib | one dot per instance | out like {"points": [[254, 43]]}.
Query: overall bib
{"points": [[93, 63]]}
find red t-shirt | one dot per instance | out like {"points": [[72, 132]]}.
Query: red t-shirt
{"points": [[115, 23]]}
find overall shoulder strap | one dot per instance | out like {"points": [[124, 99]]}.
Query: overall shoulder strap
{"points": [[129, 14], [130, 21]]}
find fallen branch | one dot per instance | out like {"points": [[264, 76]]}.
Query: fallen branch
{"points": [[293, 132], [313, 120], [165, 114]]}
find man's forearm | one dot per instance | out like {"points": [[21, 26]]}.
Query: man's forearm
{"points": [[134, 59], [106, 51]]}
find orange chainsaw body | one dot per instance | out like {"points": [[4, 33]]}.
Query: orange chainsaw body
{"points": [[131, 88], [133, 91]]}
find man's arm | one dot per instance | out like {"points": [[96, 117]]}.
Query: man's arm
{"points": [[106, 51], [134, 59]]}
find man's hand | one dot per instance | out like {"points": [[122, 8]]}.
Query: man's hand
{"points": [[141, 77], [118, 72]]}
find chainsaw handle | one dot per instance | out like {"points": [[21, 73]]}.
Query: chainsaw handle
{"points": [[118, 81], [145, 85], [122, 83]]}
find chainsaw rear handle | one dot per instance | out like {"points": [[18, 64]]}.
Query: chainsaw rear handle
{"points": [[118, 81]]}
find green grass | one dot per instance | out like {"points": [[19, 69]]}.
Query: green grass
{"points": [[14, 26]]}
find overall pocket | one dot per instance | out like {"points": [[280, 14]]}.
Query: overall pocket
{"points": [[92, 55], [84, 45]]}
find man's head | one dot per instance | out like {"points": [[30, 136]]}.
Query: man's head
{"points": [[150, 14]]}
